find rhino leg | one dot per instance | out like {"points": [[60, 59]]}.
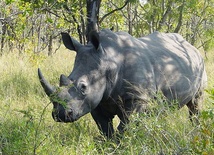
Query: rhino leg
{"points": [[193, 107], [122, 125], [103, 121], [124, 114]]}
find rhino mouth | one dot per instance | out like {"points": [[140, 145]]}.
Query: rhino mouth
{"points": [[64, 117]]}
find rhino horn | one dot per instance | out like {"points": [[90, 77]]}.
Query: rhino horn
{"points": [[64, 81], [49, 89]]}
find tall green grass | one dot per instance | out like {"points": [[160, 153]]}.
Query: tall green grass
{"points": [[26, 126]]}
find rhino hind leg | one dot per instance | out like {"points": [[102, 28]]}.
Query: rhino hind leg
{"points": [[193, 106]]}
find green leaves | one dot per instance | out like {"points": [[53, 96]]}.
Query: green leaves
{"points": [[38, 20], [49, 20], [9, 1]]}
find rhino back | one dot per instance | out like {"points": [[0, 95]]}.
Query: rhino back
{"points": [[157, 62], [178, 68]]}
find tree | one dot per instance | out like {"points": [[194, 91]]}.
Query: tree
{"points": [[93, 7], [34, 26]]}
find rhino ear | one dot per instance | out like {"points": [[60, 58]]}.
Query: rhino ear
{"points": [[70, 42], [95, 39]]}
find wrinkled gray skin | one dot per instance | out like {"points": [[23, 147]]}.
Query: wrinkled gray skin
{"points": [[109, 72]]}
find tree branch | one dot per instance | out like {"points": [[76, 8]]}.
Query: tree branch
{"points": [[117, 9], [10, 17]]}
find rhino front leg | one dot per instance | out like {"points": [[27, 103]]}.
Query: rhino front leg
{"points": [[125, 110], [104, 122], [122, 125]]}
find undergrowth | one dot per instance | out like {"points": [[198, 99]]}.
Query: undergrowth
{"points": [[26, 126]]}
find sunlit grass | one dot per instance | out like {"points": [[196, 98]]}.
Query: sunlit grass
{"points": [[26, 126]]}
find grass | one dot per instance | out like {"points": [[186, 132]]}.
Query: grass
{"points": [[26, 125]]}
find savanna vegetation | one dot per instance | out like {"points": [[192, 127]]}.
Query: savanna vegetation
{"points": [[30, 38]]}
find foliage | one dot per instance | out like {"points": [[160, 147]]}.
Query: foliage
{"points": [[28, 25], [190, 18]]}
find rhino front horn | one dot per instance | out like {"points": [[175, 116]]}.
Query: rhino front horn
{"points": [[49, 89]]}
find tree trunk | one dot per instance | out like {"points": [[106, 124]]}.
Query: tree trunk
{"points": [[92, 16], [82, 23], [50, 45], [130, 24], [4, 28], [180, 19]]}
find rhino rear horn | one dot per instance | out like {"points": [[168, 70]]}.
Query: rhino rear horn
{"points": [[49, 89], [64, 81]]}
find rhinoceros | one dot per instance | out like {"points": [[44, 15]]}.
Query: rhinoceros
{"points": [[110, 70]]}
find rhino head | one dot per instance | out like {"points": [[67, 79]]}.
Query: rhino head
{"points": [[80, 92]]}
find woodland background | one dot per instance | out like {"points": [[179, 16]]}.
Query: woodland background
{"points": [[35, 25]]}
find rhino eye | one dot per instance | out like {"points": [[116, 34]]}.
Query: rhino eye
{"points": [[82, 88]]}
